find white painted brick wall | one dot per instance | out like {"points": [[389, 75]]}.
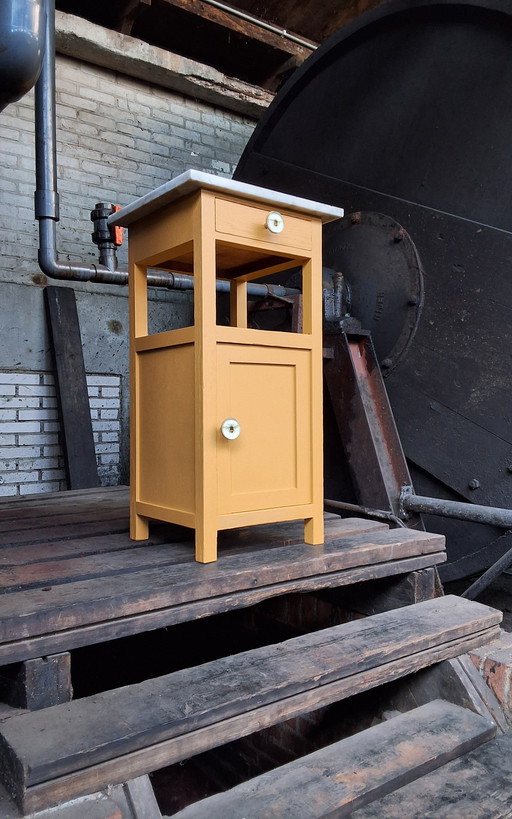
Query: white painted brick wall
{"points": [[105, 402], [31, 459]]}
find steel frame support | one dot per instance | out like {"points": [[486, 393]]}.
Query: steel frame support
{"points": [[365, 421]]}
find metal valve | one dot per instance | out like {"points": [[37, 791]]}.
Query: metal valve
{"points": [[230, 428], [274, 222]]}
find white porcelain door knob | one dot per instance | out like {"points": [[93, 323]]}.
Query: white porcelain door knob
{"points": [[230, 428]]}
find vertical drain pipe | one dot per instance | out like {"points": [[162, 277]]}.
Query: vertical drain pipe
{"points": [[46, 195], [46, 200]]}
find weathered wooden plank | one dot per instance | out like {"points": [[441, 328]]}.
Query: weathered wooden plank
{"points": [[37, 683], [39, 611], [391, 593], [318, 21], [99, 630], [476, 786], [484, 700], [52, 571], [285, 534], [459, 682], [174, 750], [75, 414], [87, 529], [49, 550], [31, 517], [75, 496], [31, 527], [456, 680], [355, 771], [61, 508], [141, 799], [256, 537], [131, 800], [6, 712], [130, 12], [243, 27], [168, 752], [58, 740]]}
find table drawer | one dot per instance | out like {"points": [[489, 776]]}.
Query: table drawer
{"points": [[249, 221]]}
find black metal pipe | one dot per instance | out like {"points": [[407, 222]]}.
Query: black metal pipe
{"points": [[22, 36], [489, 576], [378, 514], [493, 515], [181, 281], [46, 195], [47, 199]]}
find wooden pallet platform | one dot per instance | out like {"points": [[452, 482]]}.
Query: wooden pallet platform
{"points": [[58, 753], [70, 576]]}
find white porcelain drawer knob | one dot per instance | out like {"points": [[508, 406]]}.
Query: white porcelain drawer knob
{"points": [[230, 428], [274, 222]]}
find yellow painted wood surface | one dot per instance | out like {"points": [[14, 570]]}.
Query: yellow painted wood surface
{"points": [[205, 321], [168, 338], [139, 526], [312, 324], [267, 391], [186, 382], [155, 238], [238, 304], [167, 428], [264, 338], [248, 222], [235, 261], [278, 514]]}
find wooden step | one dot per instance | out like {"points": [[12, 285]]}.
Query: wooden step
{"points": [[132, 800], [475, 786], [51, 755], [348, 774], [56, 606]]}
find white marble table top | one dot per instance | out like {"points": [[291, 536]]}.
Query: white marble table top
{"points": [[192, 180]]}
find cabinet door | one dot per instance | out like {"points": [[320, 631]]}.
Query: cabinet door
{"points": [[268, 391]]}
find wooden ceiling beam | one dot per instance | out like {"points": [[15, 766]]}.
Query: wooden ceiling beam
{"points": [[315, 20], [131, 11], [236, 24]]}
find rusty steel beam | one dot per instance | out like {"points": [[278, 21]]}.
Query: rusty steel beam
{"points": [[365, 422]]}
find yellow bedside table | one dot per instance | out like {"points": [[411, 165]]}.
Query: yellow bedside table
{"points": [[226, 422]]}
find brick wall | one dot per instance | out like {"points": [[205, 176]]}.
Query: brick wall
{"points": [[117, 139], [105, 403], [31, 458]]}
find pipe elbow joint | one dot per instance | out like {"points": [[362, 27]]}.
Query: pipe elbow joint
{"points": [[51, 267], [54, 269]]}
